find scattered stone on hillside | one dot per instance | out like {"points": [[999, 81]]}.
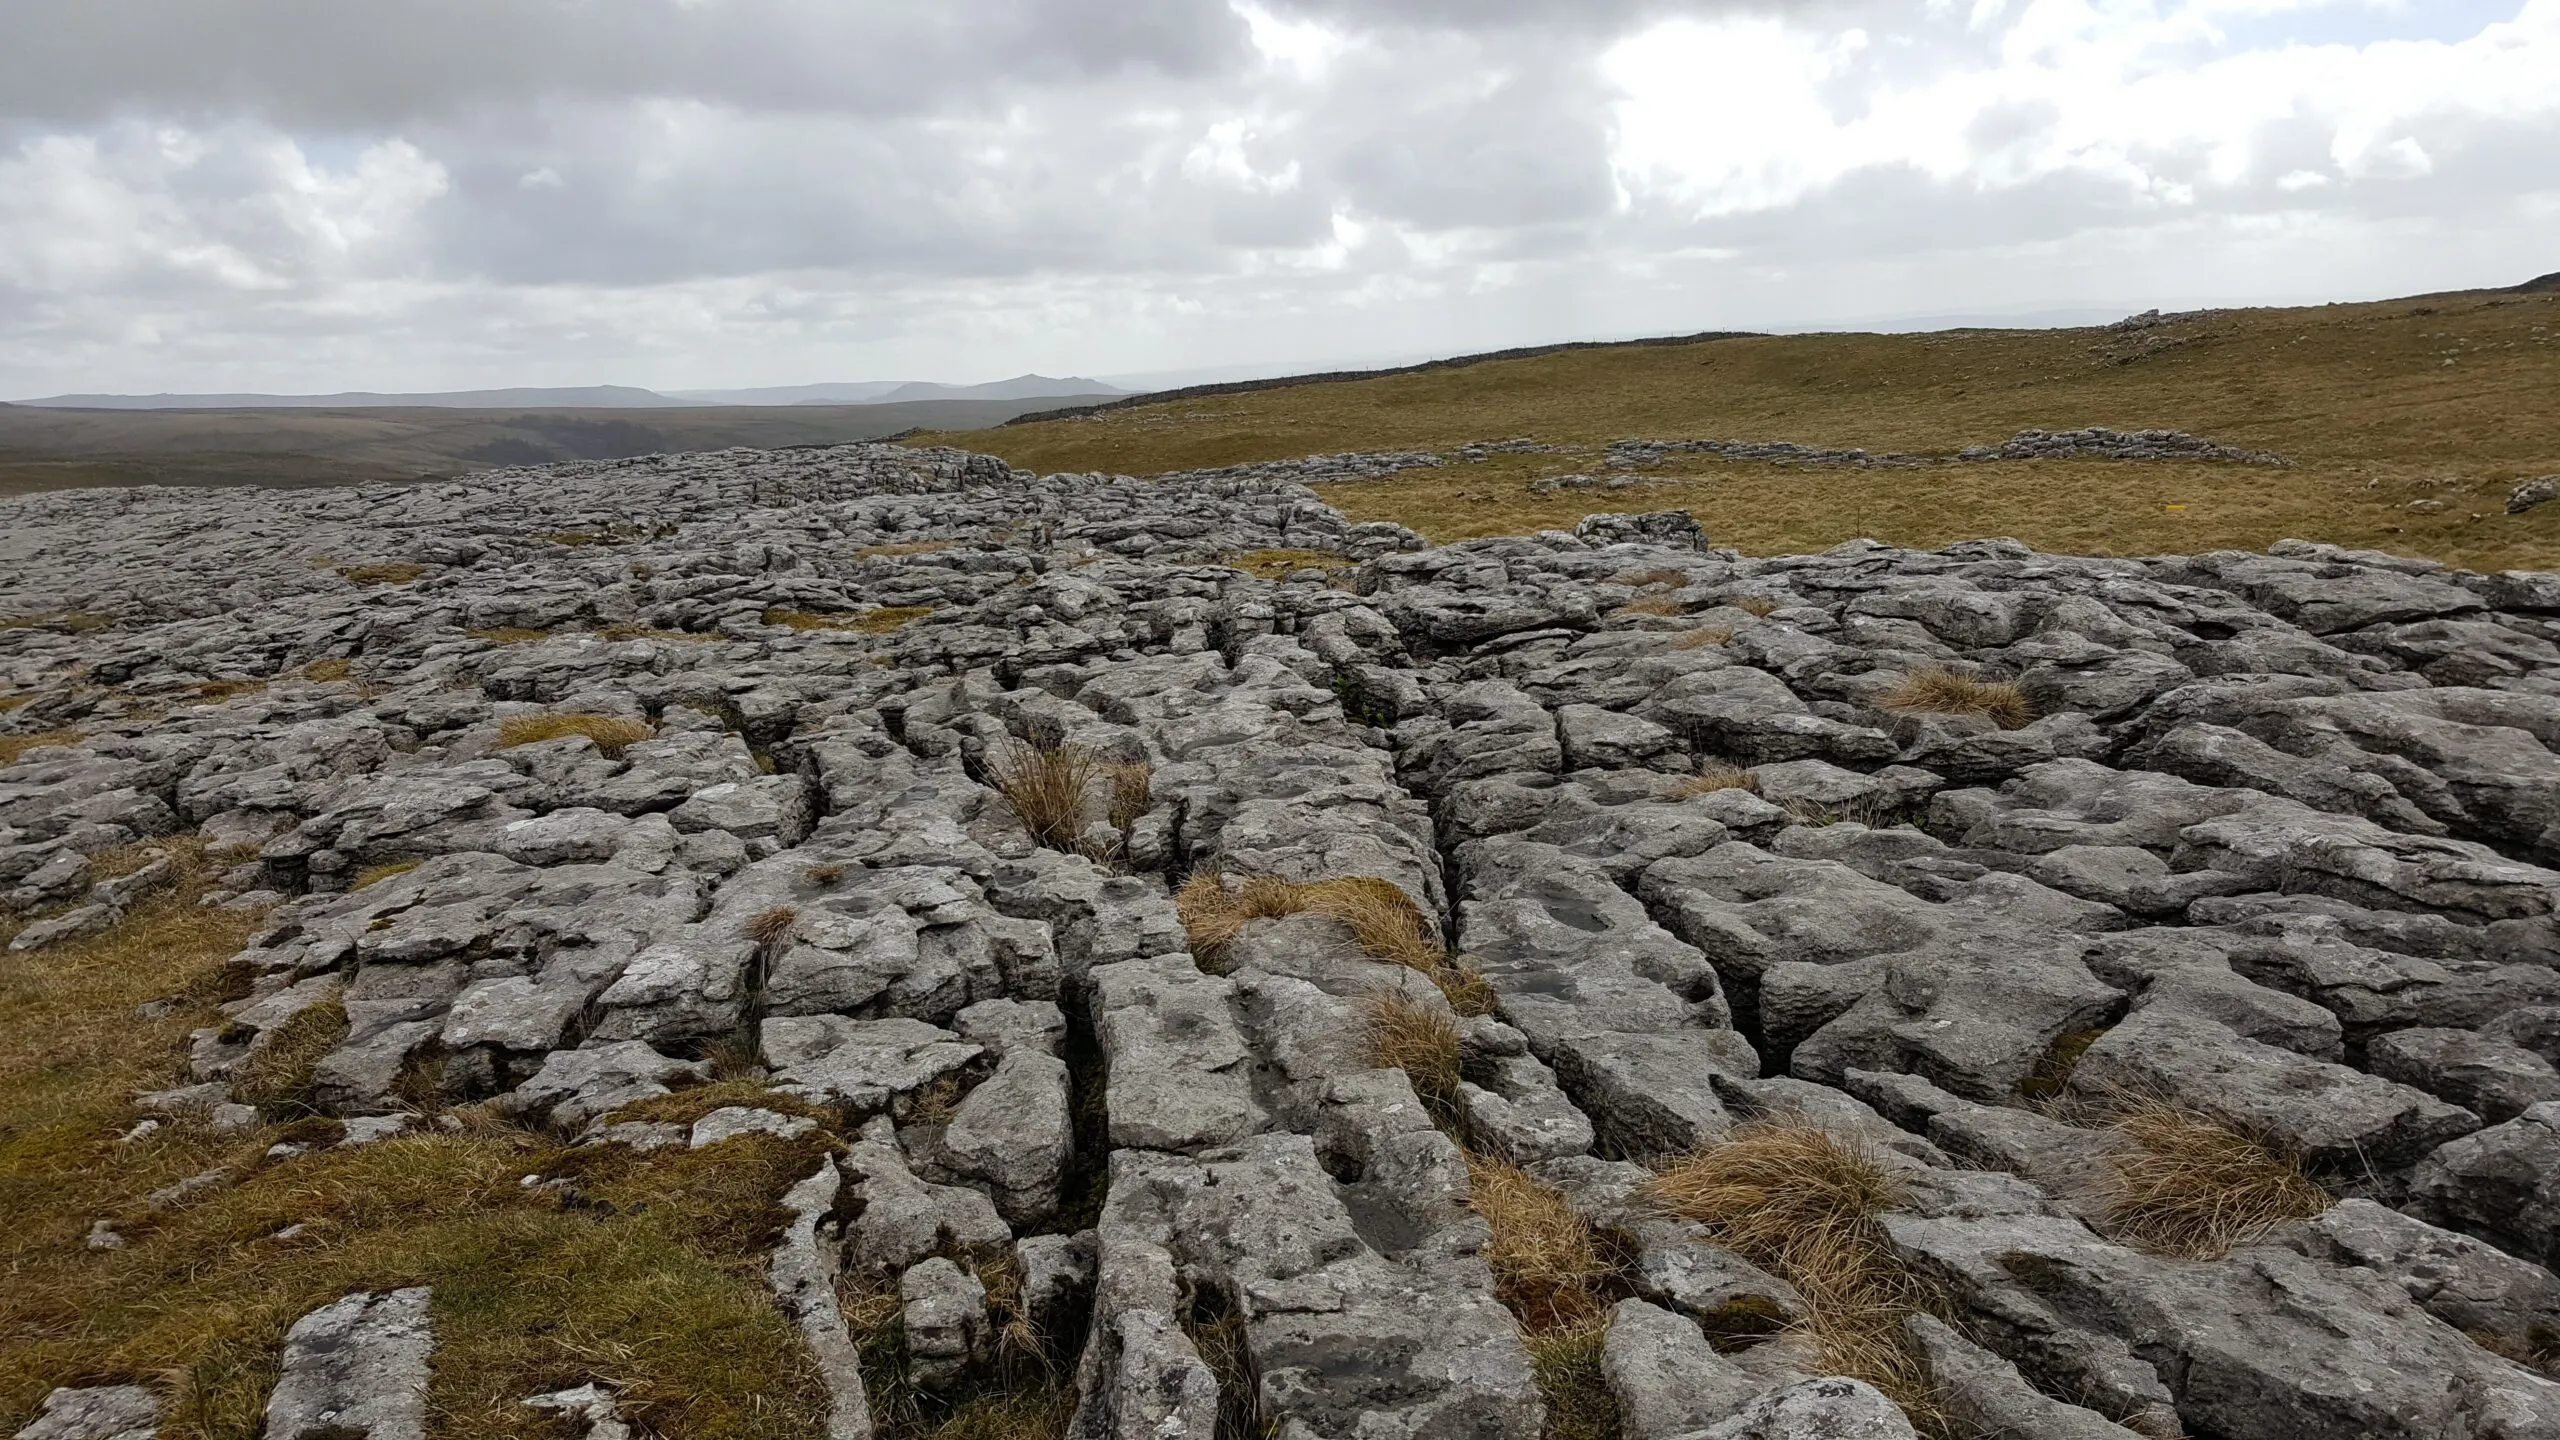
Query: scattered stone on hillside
{"points": [[355, 1368], [97, 1412], [2533, 492], [2272, 838]]}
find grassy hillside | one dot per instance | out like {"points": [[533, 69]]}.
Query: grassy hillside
{"points": [[49, 449], [2441, 400]]}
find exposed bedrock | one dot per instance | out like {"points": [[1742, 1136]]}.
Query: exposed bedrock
{"points": [[1179, 951]]}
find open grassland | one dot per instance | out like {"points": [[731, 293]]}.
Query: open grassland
{"points": [[642, 1272], [2440, 401]]}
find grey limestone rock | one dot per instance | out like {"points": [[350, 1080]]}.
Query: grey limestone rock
{"points": [[97, 1412], [357, 1367]]}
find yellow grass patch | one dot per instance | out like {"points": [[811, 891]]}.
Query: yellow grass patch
{"points": [[2360, 397], [14, 746], [392, 573], [612, 734], [1701, 637], [1713, 777], [214, 692], [1280, 564], [877, 621], [1803, 1203], [70, 622], [1383, 921], [2190, 1185], [768, 928], [1944, 692], [328, 671], [1132, 790]]}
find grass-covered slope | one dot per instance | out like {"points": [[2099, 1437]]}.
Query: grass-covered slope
{"points": [[2447, 399]]}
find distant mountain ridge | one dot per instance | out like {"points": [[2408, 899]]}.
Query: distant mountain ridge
{"points": [[582, 397], [609, 397]]}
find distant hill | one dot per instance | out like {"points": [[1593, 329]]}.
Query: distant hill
{"points": [[859, 392], [2540, 285], [44, 448], [584, 397], [1020, 387]]}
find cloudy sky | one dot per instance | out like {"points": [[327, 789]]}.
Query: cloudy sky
{"points": [[421, 194]]}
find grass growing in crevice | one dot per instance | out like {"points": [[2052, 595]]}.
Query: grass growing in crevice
{"points": [[324, 672], [1217, 1331], [2052, 1073], [1944, 692], [1383, 920], [645, 1273], [394, 573], [1024, 1394], [879, 620], [1422, 1041], [1280, 564], [908, 547], [1046, 787], [372, 875], [277, 1075], [13, 747], [1802, 1202], [1555, 1277], [2193, 1186], [612, 734], [1652, 605], [1714, 777]]}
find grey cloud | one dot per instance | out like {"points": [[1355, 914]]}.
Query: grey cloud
{"points": [[357, 63]]}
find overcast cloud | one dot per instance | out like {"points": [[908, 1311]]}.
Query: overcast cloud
{"points": [[390, 194]]}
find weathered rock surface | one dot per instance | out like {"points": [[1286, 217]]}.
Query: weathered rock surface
{"points": [[2273, 842]]}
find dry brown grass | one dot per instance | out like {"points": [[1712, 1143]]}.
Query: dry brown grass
{"points": [[1803, 1202], [393, 573], [769, 928], [328, 671], [649, 1281], [628, 631], [14, 746], [1653, 605], [214, 692], [1547, 1268], [70, 622], [1046, 788], [376, 874], [2359, 396], [1280, 564], [1132, 790], [1944, 692], [909, 547], [509, 635], [1714, 777], [278, 1075], [1422, 1041], [2190, 1185], [883, 619], [612, 734], [1760, 605], [1384, 922]]}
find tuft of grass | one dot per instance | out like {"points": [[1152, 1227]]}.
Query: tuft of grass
{"points": [[1046, 787], [908, 547], [393, 573], [2191, 1185], [1132, 790], [1802, 1202], [882, 619], [279, 1074], [1280, 564], [612, 734], [768, 928], [69, 622], [328, 671], [1383, 921], [1218, 1332], [1652, 605], [1714, 777], [1422, 1041], [14, 746], [1761, 605], [625, 630], [827, 874], [376, 874], [1701, 638], [1547, 1267], [214, 692], [1943, 692], [1566, 1365], [508, 635]]}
